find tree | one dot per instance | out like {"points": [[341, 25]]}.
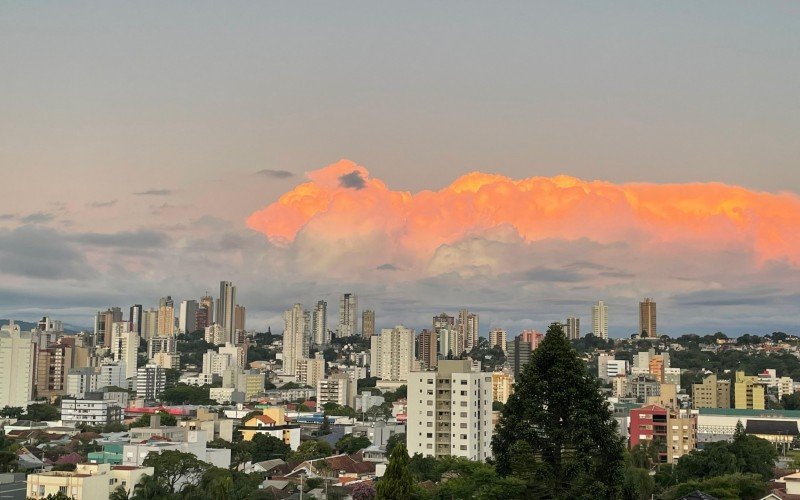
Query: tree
{"points": [[729, 486], [351, 444], [337, 410], [120, 493], [149, 488], [497, 406], [144, 421], [312, 450], [266, 447], [557, 409], [364, 491], [11, 412], [172, 466], [638, 484], [186, 394], [394, 440], [396, 483], [41, 412]]}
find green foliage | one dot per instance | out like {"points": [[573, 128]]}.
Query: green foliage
{"points": [[497, 406], [11, 412], [746, 454], [791, 401], [366, 383], [337, 410], [186, 394], [312, 450], [393, 441], [172, 465], [491, 357], [351, 444], [191, 347], [144, 420], [589, 343], [396, 483], [637, 484], [558, 426], [392, 396], [266, 447], [727, 487], [150, 488], [41, 412], [694, 360], [293, 385]]}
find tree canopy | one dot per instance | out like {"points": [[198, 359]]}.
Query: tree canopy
{"points": [[556, 431], [396, 483]]}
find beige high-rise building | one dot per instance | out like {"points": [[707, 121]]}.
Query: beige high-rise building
{"points": [[498, 338], [52, 366], [150, 323], [208, 302], [296, 337], [102, 325], [502, 386], [426, 349], [572, 328], [468, 327], [226, 310], [711, 393], [16, 366], [166, 317], [319, 324], [600, 320], [239, 318], [125, 347], [367, 323], [647, 318], [310, 371], [348, 315], [450, 412], [392, 353], [749, 393]]}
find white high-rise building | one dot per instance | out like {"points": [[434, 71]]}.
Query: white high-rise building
{"points": [[348, 315], [319, 323], [310, 371], [392, 353], [450, 412], [125, 346], [339, 389], [600, 320], [150, 381], [296, 342], [187, 317], [214, 334], [215, 363], [238, 354], [498, 337], [16, 366], [112, 374], [226, 310]]}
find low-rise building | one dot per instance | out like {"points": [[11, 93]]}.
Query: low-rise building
{"points": [[272, 422], [337, 388], [86, 482], [676, 430], [95, 412]]}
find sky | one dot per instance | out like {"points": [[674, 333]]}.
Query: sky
{"points": [[521, 159]]}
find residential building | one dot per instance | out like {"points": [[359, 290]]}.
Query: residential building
{"points": [[337, 388], [446, 338], [572, 328], [450, 412], [711, 393], [749, 393], [366, 400], [608, 367], [532, 337], [498, 338], [94, 412], [167, 361], [272, 422], [207, 301], [187, 318], [86, 482], [319, 323], [643, 387], [502, 386], [600, 320], [677, 431], [468, 327], [149, 323], [392, 354], [210, 422], [166, 317], [367, 323], [239, 318], [201, 317], [155, 345], [214, 334], [150, 381], [135, 318], [16, 366], [519, 353], [444, 321], [310, 371], [125, 346], [296, 342], [426, 349], [52, 366], [647, 318], [226, 309], [102, 325], [348, 315], [249, 382]]}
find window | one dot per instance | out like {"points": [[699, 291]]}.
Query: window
{"points": [[62, 489], [463, 393], [463, 414], [463, 447], [430, 424], [429, 435], [463, 403], [429, 446], [430, 413]]}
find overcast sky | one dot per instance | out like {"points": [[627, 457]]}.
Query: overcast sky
{"points": [[137, 139]]}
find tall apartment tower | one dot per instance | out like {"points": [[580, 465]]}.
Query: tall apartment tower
{"points": [[348, 315], [226, 309], [150, 323], [519, 352], [572, 328], [239, 318], [102, 325], [166, 317], [647, 318], [368, 323], [296, 336], [16, 366], [450, 412], [392, 353], [135, 318], [187, 318], [207, 301], [443, 321], [124, 347], [319, 323], [498, 337], [426, 350], [468, 328], [600, 320]]}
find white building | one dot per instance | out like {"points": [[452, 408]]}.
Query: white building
{"points": [[112, 374], [319, 323], [296, 342], [226, 309], [572, 328], [86, 482], [125, 346], [310, 371], [150, 382], [608, 367], [392, 355], [215, 334], [187, 317], [339, 389], [498, 337], [94, 412], [450, 412], [16, 366], [237, 354], [600, 320]]}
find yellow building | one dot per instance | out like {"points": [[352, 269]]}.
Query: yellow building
{"points": [[711, 393], [656, 367], [272, 421], [681, 435], [748, 392], [667, 398], [502, 386], [86, 482]]}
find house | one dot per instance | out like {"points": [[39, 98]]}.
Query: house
{"points": [[272, 422], [336, 466], [86, 482]]}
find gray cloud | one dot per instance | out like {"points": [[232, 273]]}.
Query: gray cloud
{"points": [[103, 204], [130, 239], [155, 192], [37, 218], [29, 251], [353, 180], [275, 174], [8, 216], [550, 274], [387, 267]]}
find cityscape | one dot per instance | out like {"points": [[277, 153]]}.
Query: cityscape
{"points": [[399, 251]]}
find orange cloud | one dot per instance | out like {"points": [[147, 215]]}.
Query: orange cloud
{"points": [[706, 216]]}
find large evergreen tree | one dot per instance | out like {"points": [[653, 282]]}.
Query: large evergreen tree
{"points": [[556, 431], [396, 483]]}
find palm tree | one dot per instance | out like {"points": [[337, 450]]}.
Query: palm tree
{"points": [[149, 488], [119, 494]]}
